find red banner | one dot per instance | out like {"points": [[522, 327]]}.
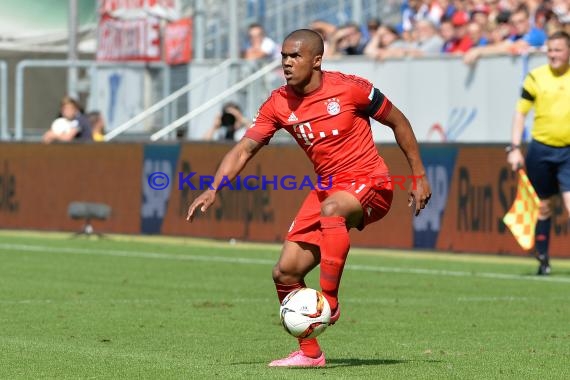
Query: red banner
{"points": [[178, 42], [131, 9], [128, 40]]}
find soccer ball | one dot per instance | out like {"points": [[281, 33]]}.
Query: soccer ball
{"points": [[305, 313]]}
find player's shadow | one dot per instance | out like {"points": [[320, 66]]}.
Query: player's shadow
{"points": [[356, 362]]}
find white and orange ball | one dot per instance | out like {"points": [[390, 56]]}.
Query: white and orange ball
{"points": [[305, 313]]}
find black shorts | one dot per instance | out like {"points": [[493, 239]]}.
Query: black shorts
{"points": [[548, 168]]}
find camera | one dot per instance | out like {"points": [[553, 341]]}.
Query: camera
{"points": [[228, 120]]}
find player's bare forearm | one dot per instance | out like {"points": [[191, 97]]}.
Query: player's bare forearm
{"points": [[420, 190], [232, 164], [406, 140], [235, 160]]}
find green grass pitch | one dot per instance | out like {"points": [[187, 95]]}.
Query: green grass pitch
{"points": [[173, 308]]}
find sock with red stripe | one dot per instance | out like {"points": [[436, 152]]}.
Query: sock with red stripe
{"points": [[335, 244], [310, 347], [283, 289]]}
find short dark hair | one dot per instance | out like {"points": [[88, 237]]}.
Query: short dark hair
{"points": [[230, 104], [314, 39], [560, 35], [228, 119]]}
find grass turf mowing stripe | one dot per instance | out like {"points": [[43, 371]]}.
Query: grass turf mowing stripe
{"points": [[244, 260]]}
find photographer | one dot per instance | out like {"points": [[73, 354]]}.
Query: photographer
{"points": [[230, 125]]}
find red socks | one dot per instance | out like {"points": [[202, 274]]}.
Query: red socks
{"points": [[310, 347], [283, 290], [334, 249]]}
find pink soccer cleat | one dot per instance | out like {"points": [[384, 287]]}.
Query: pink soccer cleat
{"points": [[298, 359], [335, 315]]}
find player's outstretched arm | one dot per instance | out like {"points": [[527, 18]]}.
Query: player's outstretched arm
{"points": [[420, 190], [232, 164]]}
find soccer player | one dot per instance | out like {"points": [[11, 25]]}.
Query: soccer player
{"points": [[328, 113], [547, 88]]}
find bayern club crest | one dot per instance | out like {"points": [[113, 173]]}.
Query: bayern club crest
{"points": [[333, 106]]}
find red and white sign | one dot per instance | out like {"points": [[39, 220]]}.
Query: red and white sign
{"points": [[131, 9], [128, 40], [178, 42]]}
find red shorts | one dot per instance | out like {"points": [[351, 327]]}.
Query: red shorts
{"points": [[375, 201]]}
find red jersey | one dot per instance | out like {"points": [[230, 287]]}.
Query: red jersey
{"points": [[331, 124]]}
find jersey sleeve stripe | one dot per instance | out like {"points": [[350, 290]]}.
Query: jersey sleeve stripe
{"points": [[375, 103], [384, 110], [527, 95]]}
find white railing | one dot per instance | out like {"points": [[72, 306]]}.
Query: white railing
{"points": [[90, 65], [215, 100], [167, 100]]}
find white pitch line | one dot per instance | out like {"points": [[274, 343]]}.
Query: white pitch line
{"points": [[439, 272], [493, 299], [244, 260]]}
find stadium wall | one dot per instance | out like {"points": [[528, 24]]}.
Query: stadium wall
{"points": [[445, 99], [472, 189]]}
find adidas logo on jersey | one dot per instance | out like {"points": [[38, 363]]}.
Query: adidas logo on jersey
{"points": [[292, 117]]}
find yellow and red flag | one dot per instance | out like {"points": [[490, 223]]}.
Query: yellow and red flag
{"points": [[521, 218]]}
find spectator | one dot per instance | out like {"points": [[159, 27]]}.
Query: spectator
{"points": [[427, 41], [447, 9], [230, 125], [500, 29], [260, 46], [460, 13], [385, 43], [447, 33], [436, 10], [522, 38], [475, 33], [525, 35], [460, 41], [494, 9], [480, 15], [561, 8], [326, 30], [372, 25], [70, 125], [348, 40], [413, 11], [97, 125], [542, 14]]}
